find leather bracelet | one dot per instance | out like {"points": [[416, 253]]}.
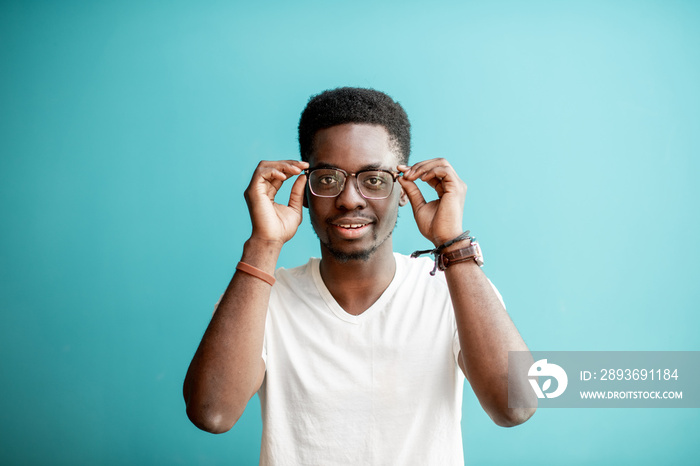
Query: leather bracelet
{"points": [[472, 252], [437, 252], [255, 272]]}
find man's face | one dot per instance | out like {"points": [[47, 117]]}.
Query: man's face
{"points": [[349, 226]]}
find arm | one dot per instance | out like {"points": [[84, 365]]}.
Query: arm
{"points": [[486, 332], [227, 368]]}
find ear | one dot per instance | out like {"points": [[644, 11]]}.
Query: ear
{"points": [[305, 202], [403, 198]]}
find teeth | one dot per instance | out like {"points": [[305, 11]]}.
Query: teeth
{"points": [[355, 225]]}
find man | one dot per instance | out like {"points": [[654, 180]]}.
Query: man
{"points": [[357, 357]]}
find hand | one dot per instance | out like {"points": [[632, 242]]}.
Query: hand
{"points": [[439, 220], [272, 222]]}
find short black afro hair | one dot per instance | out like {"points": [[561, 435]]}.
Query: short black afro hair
{"points": [[354, 105]]}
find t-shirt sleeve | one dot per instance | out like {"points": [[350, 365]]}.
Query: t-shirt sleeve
{"points": [[264, 348], [455, 346], [216, 306], [500, 298]]}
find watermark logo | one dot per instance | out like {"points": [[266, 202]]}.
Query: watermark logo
{"points": [[604, 379], [542, 368]]}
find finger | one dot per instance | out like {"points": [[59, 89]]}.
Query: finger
{"points": [[291, 166], [296, 197], [423, 163], [415, 197], [421, 168], [437, 175], [275, 173], [274, 178], [444, 179], [436, 184], [268, 177], [435, 172]]}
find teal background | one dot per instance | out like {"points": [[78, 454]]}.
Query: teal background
{"points": [[129, 130]]}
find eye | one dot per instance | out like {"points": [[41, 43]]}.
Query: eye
{"points": [[327, 180], [375, 181]]}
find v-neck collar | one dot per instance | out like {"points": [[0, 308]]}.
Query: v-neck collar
{"points": [[378, 304]]}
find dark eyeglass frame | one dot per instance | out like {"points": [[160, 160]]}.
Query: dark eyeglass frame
{"points": [[394, 176]]}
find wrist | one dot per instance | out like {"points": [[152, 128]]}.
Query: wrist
{"points": [[465, 243], [454, 251], [257, 241], [441, 239], [262, 254], [467, 253]]}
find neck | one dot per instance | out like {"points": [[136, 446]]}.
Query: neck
{"points": [[357, 284]]}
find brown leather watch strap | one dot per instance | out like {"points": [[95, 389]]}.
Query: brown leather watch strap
{"points": [[472, 252]]}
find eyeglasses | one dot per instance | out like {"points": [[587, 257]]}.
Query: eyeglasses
{"points": [[371, 183]]}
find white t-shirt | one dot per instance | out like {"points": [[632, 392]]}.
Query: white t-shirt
{"points": [[380, 388]]}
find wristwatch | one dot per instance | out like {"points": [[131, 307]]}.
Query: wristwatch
{"points": [[471, 252]]}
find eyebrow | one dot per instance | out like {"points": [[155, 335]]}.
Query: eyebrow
{"points": [[372, 166]]}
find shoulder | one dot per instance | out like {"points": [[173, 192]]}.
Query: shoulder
{"points": [[419, 291], [295, 279], [295, 273], [419, 266], [416, 272]]}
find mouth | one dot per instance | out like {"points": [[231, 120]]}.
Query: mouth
{"points": [[350, 222], [351, 228]]}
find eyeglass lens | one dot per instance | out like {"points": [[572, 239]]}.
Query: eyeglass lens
{"points": [[327, 182]]}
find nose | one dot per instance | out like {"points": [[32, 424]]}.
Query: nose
{"points": [[350, 197]]}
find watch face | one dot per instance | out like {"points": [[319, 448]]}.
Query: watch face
{"points": [[479, 255]]}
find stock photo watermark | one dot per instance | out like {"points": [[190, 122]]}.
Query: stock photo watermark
{"points": [[604, 379]]}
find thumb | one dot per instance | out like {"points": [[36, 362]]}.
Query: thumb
{"points": [[415, 197], [296, 197]]}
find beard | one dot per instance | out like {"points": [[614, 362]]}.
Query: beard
{"points": [[363, 255], [343, 257]]}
